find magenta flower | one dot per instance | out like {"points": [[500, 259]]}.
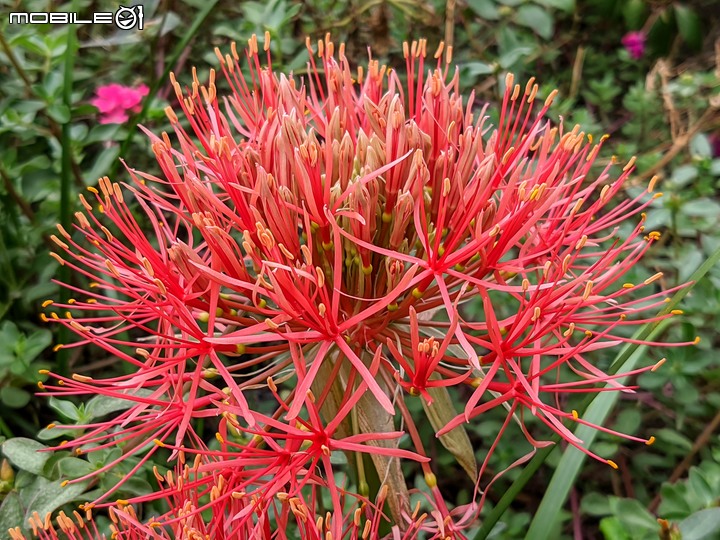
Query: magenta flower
{"points": [[314, 240], [115, 102], [634, 43]]}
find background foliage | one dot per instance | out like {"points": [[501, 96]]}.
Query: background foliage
{"points": [[662, 107]]}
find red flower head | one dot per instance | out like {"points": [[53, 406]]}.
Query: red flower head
{"points": [[314, 239]]}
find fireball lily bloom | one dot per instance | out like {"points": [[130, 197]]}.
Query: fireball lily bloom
{"points": [[314, 239]]}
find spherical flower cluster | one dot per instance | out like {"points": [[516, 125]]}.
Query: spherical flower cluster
{"points": [[298, 271]]}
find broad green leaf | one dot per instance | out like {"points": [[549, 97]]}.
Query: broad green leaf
{"points": [[536, 19], [564, 5], [72, 467], [689, 26], [25, 454], [702, 525], [44, 496], [635, 517], [612, 529], [485, 9], [596, 504], [59, 112], [14, 398], [457, 442], [635, 13], [100, 406], [11, 513], [36, 343], [65, 408]]}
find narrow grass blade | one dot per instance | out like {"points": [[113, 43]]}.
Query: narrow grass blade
{"points": [[572, 460], [172, 60], [66, 176]]}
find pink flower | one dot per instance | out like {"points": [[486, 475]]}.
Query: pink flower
{"points": [[313, 239], [634, 43], [114, 101]]}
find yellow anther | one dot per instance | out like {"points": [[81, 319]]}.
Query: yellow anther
{"points": [[612, 464], [431, 480], [658, 364], [651, 184], [650, 441]]}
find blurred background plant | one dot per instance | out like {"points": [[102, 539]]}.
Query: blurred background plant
{"points": [[646, 72]]}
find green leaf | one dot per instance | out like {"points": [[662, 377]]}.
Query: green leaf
{"points": [[457, 442], [485, 9], [475, 69], [14, 398], [36, 343], [702, 525], [700, 486], [11, 513], [635, 517], [596, 504], [702, 207], [567, 6], [635, 13], [100, 406], [612, 529], [59, 112], [103, 163], [25, 454], [65, 408], [684, 174], [510, 58], [72, 467], [44, 496], [536, 19], [701, 147], [689, 26]]}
